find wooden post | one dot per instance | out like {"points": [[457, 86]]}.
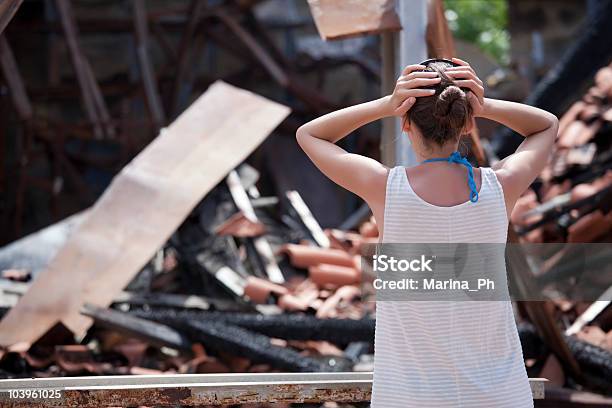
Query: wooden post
{"points": [[398, 50]]}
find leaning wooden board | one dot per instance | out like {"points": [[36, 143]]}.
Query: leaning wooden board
{"points": [[142, 207]]}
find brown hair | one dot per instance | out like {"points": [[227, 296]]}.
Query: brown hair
{"points": [[443, 116]]}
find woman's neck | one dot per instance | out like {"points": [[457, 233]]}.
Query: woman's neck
{"points": [[443, 151]]}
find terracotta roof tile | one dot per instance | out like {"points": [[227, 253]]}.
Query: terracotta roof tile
{"points": [[578, 133], [590, 227], [258, 290], [239, 225], [368, 229], [571, 115], [603, 79], [330, 308], [594, 335], [327, 274], [590, 112], [303, 256]]}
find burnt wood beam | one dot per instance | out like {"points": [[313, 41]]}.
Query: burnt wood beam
{"points": [[8, 8], [147, 72]]}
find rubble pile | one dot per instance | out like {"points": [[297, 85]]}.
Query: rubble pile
{"points": [[568, 209], [206, 302]]}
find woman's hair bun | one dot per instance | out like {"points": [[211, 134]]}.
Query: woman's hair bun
{"points": [[443, 116], [451, 106]]}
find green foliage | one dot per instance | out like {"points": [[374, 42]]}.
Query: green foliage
{"points": [[482, 22]]}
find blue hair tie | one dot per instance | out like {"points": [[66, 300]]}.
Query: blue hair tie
{"points": [[455, 157]]}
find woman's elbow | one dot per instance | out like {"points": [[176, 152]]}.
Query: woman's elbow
{"points": [[554, 125], [300, 136], [552, 132]]}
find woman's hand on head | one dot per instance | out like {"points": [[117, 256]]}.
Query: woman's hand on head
{"points": [[464, 76], [407, 89]]}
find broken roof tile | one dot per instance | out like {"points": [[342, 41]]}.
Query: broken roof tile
{"points": [[330, 307], [327, 274], [603, 79], [570, 116], [368, 230], [303, 256], [590, 227], [589, 113], [258, 290], [239, 225]]}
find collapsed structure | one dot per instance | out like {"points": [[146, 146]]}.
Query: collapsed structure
{"points": [[184, 266]]}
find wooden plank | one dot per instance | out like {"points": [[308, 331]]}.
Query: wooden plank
{"points": [[141, 208], [147, 73], [342, 19], [14, 81], [264, 58], [13, 290], [95, 106], [195, 11], [204, 389], [591, 313], [309, 221], [8, 8], [262, 245], [284, 78], [79, 63], [99, 102]]}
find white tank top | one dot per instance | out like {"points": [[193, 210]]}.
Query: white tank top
{"points": [[447, 353]]}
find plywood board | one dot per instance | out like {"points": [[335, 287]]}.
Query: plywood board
{"points": [[141, 208], [340, 19]]}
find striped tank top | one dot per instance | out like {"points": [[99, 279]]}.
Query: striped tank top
{"points": [[447, 353]]}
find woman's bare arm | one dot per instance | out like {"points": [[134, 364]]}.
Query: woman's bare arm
{"points": [[354, 172], [357, 173], [539, 127]]}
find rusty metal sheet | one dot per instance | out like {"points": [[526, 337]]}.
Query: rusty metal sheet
{"points": [[340, 19], [142, 207], [203, 389]]}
